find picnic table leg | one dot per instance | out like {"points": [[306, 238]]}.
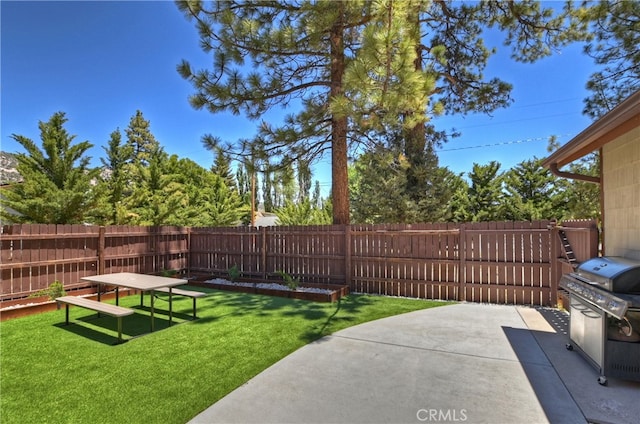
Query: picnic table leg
{"points": [[119, 329], [194, 308], [152, 296], [67, 313], [99, 290], [117, 296], [170, 306]]}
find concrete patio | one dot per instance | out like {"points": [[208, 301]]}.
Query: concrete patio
{"points": [[460, 363]]}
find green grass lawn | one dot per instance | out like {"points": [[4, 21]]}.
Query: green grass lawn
{"points": [[55, 373]]}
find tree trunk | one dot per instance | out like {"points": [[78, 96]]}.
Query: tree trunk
{"points": [[339, 180], [415, 139]]}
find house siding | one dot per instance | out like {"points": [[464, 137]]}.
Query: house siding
{"points": [[621, 187]]}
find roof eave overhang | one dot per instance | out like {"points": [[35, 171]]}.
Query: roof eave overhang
{"points": [[620, 120]]}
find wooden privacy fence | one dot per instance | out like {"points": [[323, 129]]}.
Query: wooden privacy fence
{"points": [[34, 256], [497, 262]]}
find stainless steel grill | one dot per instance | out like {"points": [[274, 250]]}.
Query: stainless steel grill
{"points": [[612, 274], [605, 315]]}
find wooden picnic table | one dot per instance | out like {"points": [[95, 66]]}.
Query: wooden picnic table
{"points": [[142, 282]]}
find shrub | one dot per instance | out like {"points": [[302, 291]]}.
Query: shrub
{"points": [[55, 290], [289, 281], [169, 273], [234, 273]]}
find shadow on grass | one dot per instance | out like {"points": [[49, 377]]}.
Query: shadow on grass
{"points": [[159, 313], [217, 305], [91, 333], [104, 328], [239, 304], [348, 305], [323, 317]]}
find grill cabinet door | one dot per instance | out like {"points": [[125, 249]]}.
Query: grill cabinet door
{"points": [[587, 329]]}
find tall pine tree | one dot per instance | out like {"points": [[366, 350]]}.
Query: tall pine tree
{"points": [[304, 180], [485, 192], [350, 65], [616, 31], [140, 139], [531, 192], [118, 177], [58, 185], [378, 171], [158, 193]]}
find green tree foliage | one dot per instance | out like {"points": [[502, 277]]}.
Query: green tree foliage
{"points": [[436, 205], [222, 206], [378, 180], [131, 176], [221, 160], [148, 187], [304, 179], [581, 199], [460, 204], [285, 189], [381, 193], [222, 167], [268, 202], [616, 32], [140, 139], [247, 188], [298, 54], [303, 213], [116, 181], [357, 65], [244, 181], [210, 201], [485, 192], [58, 183], [173, 191], [531, 193], [317, 194], [157, 193], [382, 77], [284, 185]]}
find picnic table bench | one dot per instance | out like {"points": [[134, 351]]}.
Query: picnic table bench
{"points": [[105, 308], [140, 282], [180, 292]]}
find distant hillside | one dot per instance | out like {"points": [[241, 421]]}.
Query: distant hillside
{"points": [[8, 172]]}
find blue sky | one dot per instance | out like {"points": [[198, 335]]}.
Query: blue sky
{"points": [[99, 62]]}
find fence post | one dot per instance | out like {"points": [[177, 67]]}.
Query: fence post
{"points": [[264, 253], [347, 255], [462, 260], [188, 254], [101, 246], [555, 262], [594, 239]]}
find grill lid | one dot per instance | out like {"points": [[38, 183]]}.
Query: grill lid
{"points": [[611, 273]]}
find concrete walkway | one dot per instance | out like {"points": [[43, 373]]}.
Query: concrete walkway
{"points": [[460, 363]]}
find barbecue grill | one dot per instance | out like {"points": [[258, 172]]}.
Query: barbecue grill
{"points": [[604, 295]]}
